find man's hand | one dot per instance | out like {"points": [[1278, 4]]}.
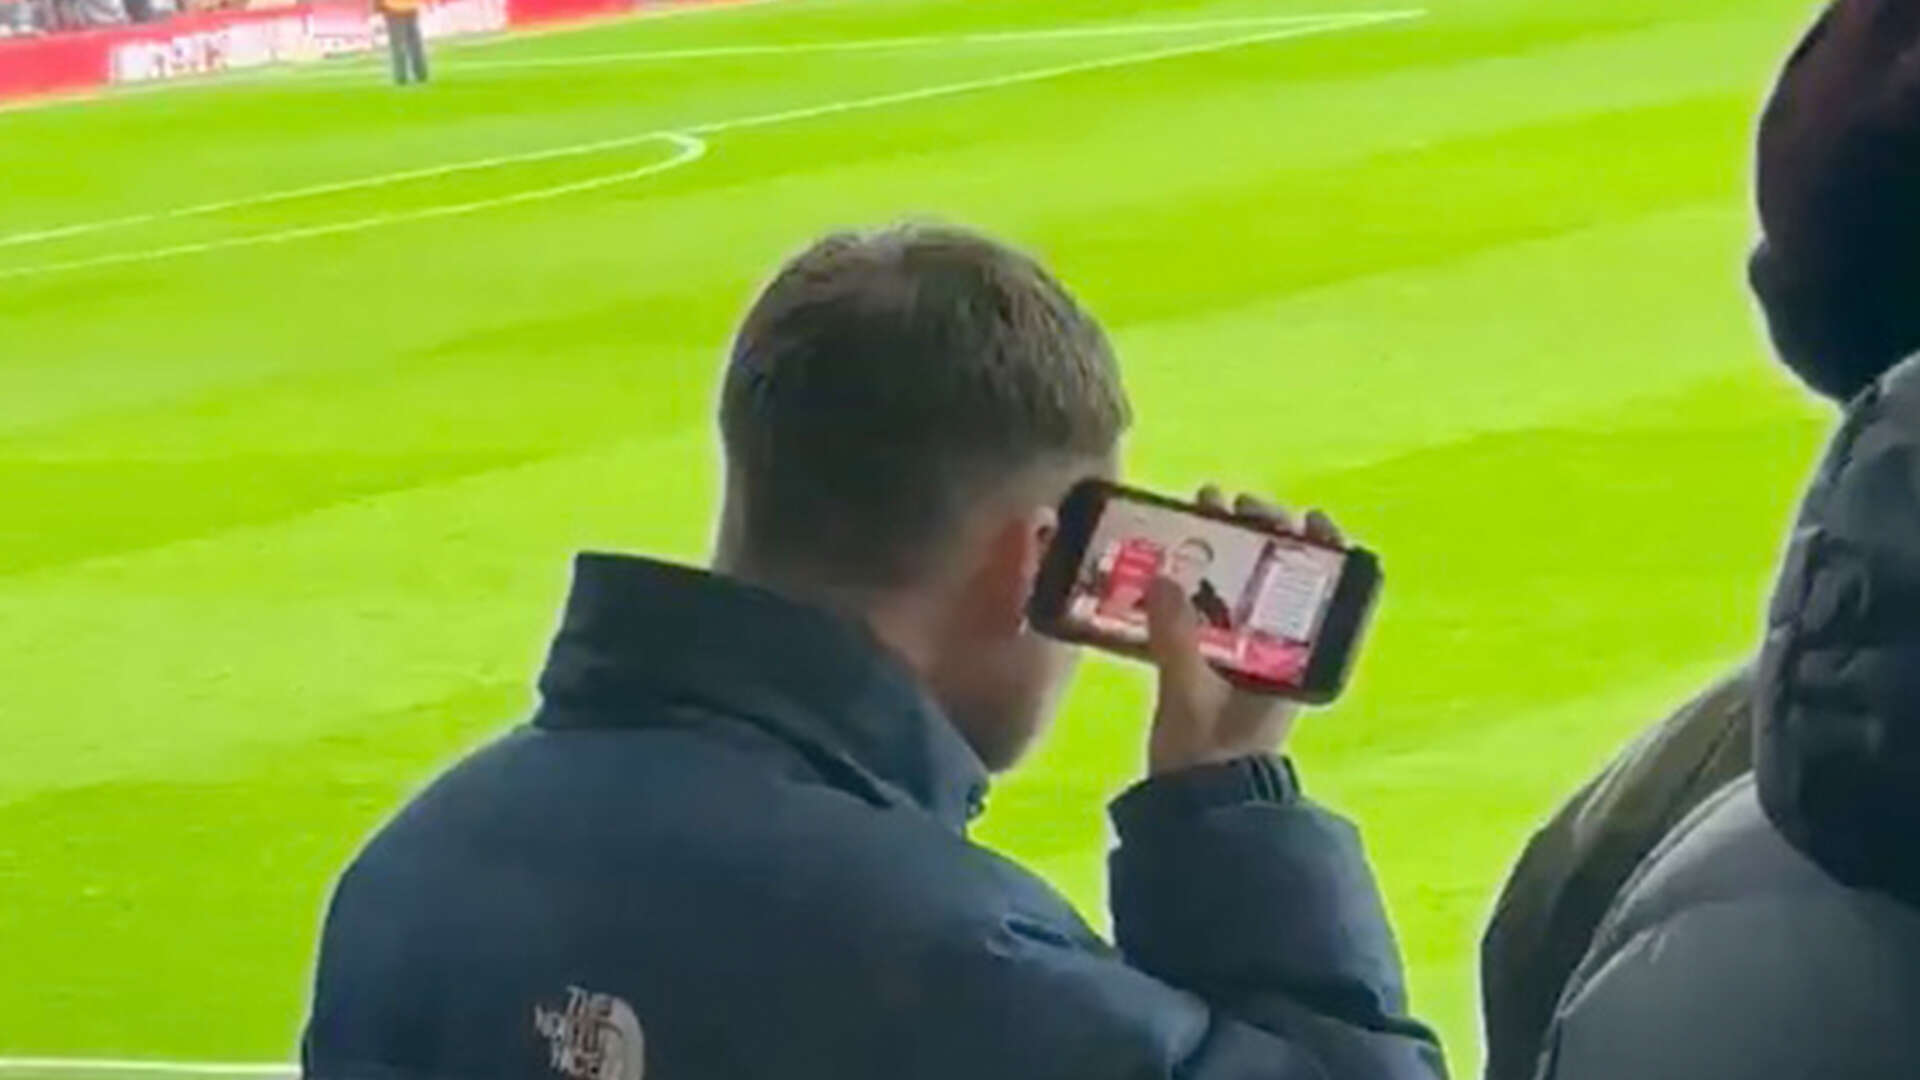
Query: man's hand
{"points": [[1203, 719]]}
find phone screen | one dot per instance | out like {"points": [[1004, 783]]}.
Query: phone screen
{"points": [[1260, 599]]}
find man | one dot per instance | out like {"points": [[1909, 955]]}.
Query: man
{"points": [[1775, 934], [1187, 568], [405, 42], [732, 841], [1837, 274]]}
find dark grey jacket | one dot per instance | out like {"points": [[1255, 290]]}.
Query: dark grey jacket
{"points": [[1776, 933], [732, 844]]}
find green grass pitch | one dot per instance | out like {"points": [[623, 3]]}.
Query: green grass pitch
{"points": [[287, 520]]}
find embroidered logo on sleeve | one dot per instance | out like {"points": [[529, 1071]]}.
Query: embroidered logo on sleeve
{"points": [[592, 1037]]}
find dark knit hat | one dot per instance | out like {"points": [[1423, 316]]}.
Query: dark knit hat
{"points": [[1838, 270]]}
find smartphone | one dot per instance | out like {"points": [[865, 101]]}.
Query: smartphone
{"points": [[1279, 613]]}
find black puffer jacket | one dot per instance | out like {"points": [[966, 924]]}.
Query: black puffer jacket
{"points": [[1776, 934]]}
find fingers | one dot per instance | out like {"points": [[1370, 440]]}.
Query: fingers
{"points": [[1272, 515], [1321, 528], [1316, 526], [1173, 632]]}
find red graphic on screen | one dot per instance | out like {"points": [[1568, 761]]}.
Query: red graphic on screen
{"points": [[1260, 626], [1273, 659], [1134, 567]]}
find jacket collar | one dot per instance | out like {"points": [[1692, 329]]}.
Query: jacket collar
{"points": [[639, 637]]}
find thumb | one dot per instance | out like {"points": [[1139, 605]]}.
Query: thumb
{"points": [[1173, 632]]}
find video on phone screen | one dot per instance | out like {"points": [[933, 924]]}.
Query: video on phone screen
{"points": [[1260, 599]]}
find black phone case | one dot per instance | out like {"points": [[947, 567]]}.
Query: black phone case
{"points": [[1334, 650]]}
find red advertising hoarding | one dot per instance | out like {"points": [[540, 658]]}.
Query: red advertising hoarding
{"points": [[189, 45], [531, 12], [76, 61]]}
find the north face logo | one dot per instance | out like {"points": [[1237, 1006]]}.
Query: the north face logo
{"points": [[592, 1037]]}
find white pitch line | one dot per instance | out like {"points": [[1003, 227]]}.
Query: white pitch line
{"points": [[360, 69], [671, 10], [1018, 78], [1356, 21], [691, 150], [135, 1065], [1245, 22], [1286, 26], [1000, 37], [709, 52], [290, 194]]}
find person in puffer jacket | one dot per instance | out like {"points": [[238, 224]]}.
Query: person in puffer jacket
{"points": [[1776, 933], [1837, 274], [732, 842]]}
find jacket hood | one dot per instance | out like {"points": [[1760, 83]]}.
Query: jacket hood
{"points": [[1838, 191], [1838, 701]]}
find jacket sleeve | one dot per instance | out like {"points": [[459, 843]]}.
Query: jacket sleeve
{"points": [[1230, 885], [1254, 947]]}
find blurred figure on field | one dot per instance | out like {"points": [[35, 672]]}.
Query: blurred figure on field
{"points": [[1787, 975], [404, 40]]}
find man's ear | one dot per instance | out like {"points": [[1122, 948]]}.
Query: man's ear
{"points": [[1014, 554]]}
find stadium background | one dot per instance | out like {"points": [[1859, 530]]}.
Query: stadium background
{"points": [[292, 484]]}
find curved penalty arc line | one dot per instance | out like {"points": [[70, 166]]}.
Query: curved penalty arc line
{"points": [[1265, 27], [333, 188], [689, 149], [685, 135]]}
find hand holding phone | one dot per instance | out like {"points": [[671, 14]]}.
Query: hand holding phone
{"points": [[1277, 610], [1201, 718]]}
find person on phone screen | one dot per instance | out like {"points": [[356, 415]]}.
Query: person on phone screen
{"points": [[733, 840], [1187, 567]]}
